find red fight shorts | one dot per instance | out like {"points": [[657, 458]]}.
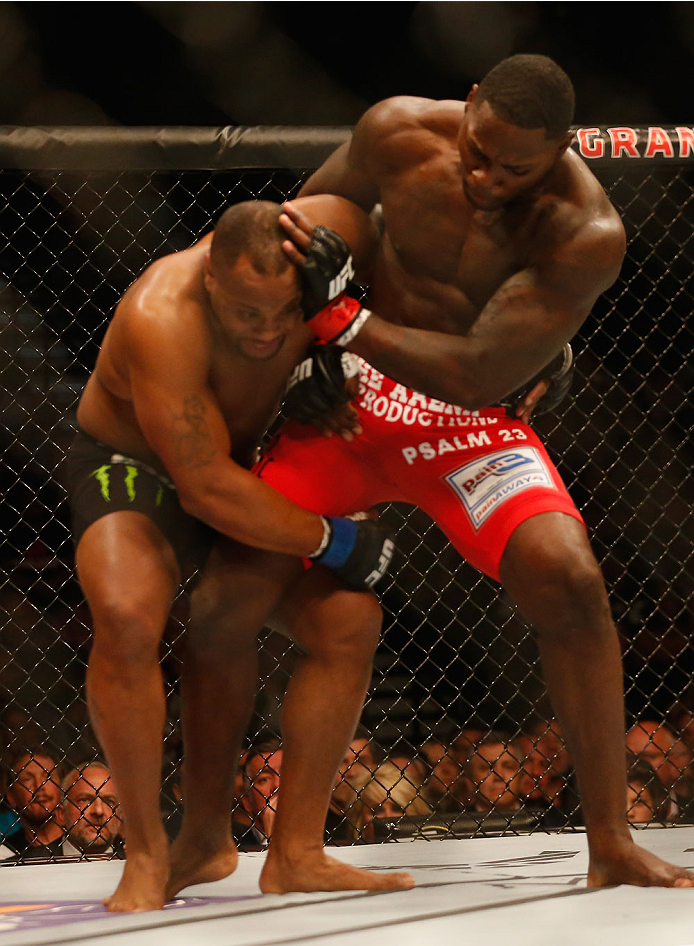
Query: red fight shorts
{"points": [[478, 474]]}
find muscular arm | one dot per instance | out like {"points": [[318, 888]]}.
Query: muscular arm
{"points": [[524, 324], [354, 226], [182, 422], [522, 327], [350, 171], [339, 175]]}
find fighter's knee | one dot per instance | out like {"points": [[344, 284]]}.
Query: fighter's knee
{"points": [[220, 626], [207, 604], [126, 632], [349, 629], [573, 571], [233, 599], [572, 591]]}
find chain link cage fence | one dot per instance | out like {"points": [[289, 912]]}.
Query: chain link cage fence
{"points": [[457, 722]]}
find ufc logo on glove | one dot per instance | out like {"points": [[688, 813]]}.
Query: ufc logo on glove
{"points": [[340, 282]]}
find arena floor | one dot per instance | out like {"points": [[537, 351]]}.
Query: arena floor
{"points": [[523, 890]]}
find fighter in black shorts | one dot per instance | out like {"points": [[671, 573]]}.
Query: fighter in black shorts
{"points": [[191, 371], [101, 482]]}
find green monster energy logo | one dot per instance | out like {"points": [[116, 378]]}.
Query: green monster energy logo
{"points": [[130, 475], [103, 478]]}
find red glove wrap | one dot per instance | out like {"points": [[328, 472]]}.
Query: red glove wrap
{"points": [[339, 321]]}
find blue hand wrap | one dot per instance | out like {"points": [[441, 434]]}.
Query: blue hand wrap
{"points": [[342, 541]]}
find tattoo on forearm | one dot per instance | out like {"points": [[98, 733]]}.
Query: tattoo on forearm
{"points": [[193, 439]]}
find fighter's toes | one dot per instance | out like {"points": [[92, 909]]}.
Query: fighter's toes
{"points": [[400, 881], [134, 903], [639, 868], [141, 886], [312, 873]]}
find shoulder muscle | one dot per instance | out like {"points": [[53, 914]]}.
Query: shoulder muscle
{"points": [[387, 135], [588, 260]]}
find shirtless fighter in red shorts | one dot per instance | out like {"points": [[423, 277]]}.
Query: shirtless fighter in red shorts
{"points": [[497, 242]]}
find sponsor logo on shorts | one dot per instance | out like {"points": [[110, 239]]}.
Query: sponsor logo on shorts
{"points": [[103, 478], [484, 484], [131, 473], [395, 404]]}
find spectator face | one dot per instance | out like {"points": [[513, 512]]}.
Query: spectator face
{"points": [[36, 793], [532, 770], [91, 806], [387, 795], [681, 758], [654, 743], [549, 739], [357, 766], [264, 775], [389, 809], [359, 760], [413, 769], [543, 776], [445, 771], [464, 743], [640, 805], [495, 772]]}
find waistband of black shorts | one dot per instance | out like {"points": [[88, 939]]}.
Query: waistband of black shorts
{"points": [[121, 458]]}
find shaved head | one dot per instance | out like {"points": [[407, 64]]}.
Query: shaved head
{"points": [[530, 92], [249, 229]]}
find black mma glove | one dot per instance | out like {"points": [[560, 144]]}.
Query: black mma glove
{"points": [[318, 384], [326, 273], [358, 549], [559, 372]]}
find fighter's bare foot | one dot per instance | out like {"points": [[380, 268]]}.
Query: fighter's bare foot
{"points": [[631, 864], [142, 885], [314, 870], [193, 862]]}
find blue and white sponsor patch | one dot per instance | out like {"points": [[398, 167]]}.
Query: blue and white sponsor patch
{"points": [[484, 484]]}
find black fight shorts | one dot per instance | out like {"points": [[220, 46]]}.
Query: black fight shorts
{"points": [[100, 481]]}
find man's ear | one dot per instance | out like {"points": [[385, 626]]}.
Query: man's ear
{"points": [[207, 277], [565, 144], [472, 94]]}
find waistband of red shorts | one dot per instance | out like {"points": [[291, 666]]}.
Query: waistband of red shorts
{"points": [[382, 385]]}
